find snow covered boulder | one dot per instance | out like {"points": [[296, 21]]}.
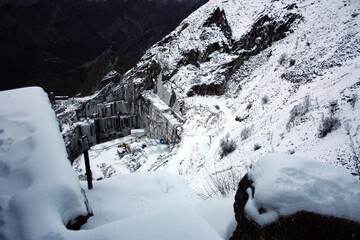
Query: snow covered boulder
{"points": [[289, 197], [39, 191]]}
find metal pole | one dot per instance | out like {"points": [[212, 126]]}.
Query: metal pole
{"points": [[88, 170]]}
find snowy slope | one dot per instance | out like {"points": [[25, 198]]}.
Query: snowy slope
{"points": [[262, 92]]}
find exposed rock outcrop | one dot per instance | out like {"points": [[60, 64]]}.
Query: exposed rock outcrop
{"points": [[218, 18], [263, 33]]}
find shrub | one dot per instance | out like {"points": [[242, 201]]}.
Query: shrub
{"points": [[298, 111], [333, 106], [353, 100], [292, 62], [355, 149], [245, 133], [227, 146], [328, 125], [265, 99], [222, 183], [257, 146], [282, 59], [248, 107]]}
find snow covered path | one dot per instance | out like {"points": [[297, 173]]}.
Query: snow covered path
{"points": [[198, 154]]}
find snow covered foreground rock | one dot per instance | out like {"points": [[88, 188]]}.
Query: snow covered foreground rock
{"points": [[39, 191], [288, 197]]}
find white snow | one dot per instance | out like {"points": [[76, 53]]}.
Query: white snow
{"points": [[105, 161], [153, 205], [285, 184], [38, 190], [219, 213]]}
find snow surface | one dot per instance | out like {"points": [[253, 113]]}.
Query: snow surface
{"points": [[39, 190], [153, 205], [106, 162], [285, 184]]}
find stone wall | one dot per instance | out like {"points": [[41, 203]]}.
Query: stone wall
{"points": [[117, 109], [161, 121]]}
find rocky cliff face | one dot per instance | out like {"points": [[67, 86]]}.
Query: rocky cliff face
{"points": [[68, 46]]}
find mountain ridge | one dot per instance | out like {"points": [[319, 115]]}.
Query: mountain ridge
{"points": [[60, 45]]}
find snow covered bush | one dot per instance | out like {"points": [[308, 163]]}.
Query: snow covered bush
{"points": [[292, 62], [245, 133], [265, 99], [355, 148], [39, 191], [297, 111], [222, 183], [248, 107], [328, 125], [282, 59], [227, 146]]}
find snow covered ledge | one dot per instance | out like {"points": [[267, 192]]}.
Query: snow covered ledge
{"points": [[292, 197], [39, 191]]}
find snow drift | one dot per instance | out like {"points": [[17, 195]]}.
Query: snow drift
{"points": [[39, 191]]}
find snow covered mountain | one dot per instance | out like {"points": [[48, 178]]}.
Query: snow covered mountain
{"points": [[234, 81], [67, 46]]}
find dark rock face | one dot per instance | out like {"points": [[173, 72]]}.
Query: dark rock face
{"points": [[218, 18], [301, 225], [207, 89], [67, 46], [263, 33]]}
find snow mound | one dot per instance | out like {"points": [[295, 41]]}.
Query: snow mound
{"points": [[149, 205], [286, 184], [39, 190]]}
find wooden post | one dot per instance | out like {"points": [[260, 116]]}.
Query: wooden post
{"points": [[88, 170], [86, 147], [52, 97]]}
